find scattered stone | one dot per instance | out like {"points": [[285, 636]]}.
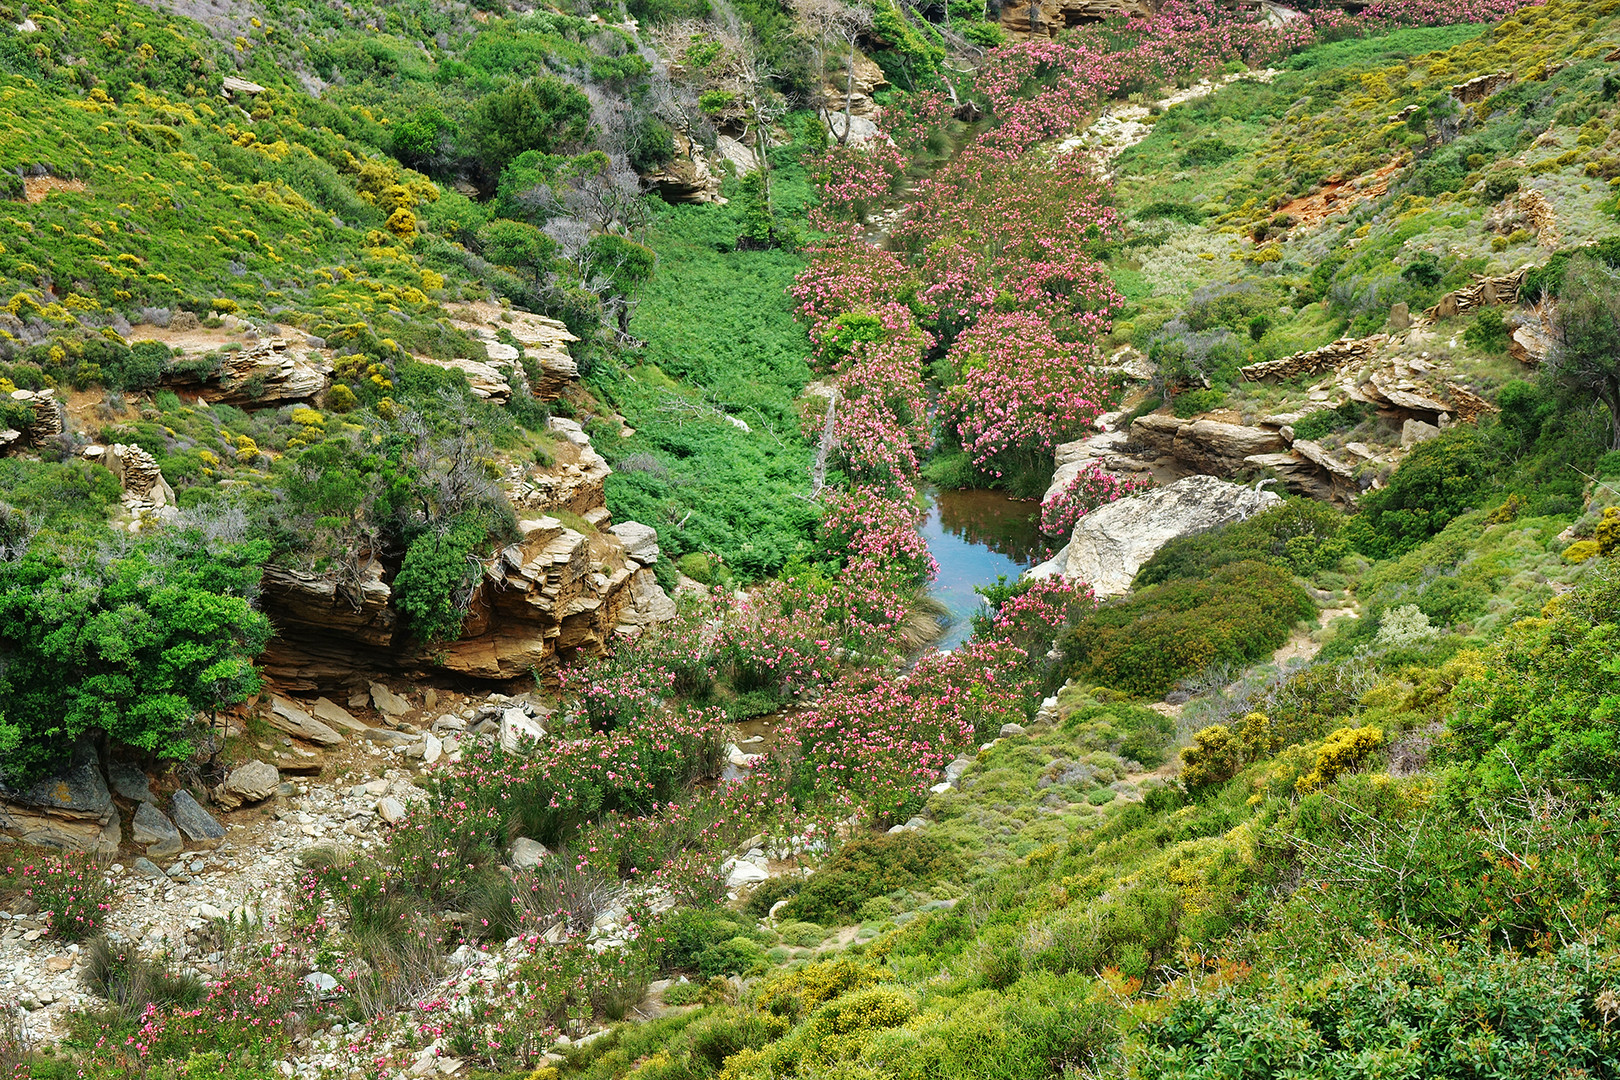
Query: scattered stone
{"points": [[741, 872], [526, 853], [387, 701], [153, 828], [335, 714], [390, 737], [391, 810], [285, 716], [1400, 317], [148, 868], [1416, 431], [1012, 729], [320, 982], [252, 782], [193, 820], [518, 731]]}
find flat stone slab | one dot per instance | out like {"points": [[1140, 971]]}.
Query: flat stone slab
{"points": [[153, 828], [286, 716], [193, 820]]}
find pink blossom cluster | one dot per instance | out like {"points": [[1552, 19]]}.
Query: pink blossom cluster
{"points": [[1021, 390], [1090, 488]]}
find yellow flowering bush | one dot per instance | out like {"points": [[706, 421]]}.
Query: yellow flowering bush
{"points": [[1342, 751]]}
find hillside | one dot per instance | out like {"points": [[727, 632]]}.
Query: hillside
{"points": [[467, 479]]}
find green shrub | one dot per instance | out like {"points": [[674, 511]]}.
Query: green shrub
{"points": [[435, 580], [1147, 641], [1330, 421], [865, 869], [1437, 481], [1403, 1003], [1190, 403], [733, 956], [1488, 332]]}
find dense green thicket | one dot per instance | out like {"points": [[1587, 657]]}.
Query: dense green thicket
{"points": [[1147, 641], [133, 642]]}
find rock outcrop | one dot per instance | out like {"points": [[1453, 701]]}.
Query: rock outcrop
{"points": [[542, 344], [1111, 543], [71, 809], [539, 600], [484, 380], [687, 178], [1048, 18], [271, 373], [1205, 446]]}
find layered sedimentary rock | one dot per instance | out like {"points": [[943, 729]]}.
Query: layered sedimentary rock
{"points": [[72, 809], [687, 177], [554, 592], [1050, 17], [485, 380], [542, 345], [273, 372], [1207, 446]]}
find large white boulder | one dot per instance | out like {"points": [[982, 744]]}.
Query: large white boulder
{"points": [[1110, 544]]}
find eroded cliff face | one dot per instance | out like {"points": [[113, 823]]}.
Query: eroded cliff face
{"points": [[548, 596], [1051, 17]]}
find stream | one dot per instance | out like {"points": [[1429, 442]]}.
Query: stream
{"points": [[976, 536]]}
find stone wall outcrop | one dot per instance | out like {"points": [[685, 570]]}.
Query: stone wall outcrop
{"points": [[270, 373]]}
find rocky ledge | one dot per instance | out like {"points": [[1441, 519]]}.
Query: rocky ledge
{"points": [[1110, 544]]}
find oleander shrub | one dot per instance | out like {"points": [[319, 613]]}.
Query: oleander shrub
{"points": [[1146, 642]]}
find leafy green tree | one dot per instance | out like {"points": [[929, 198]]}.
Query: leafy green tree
{"points": [[544, 114], [136, 646], [519, 245], [1585, 359], [624, 265], [422, 140]]}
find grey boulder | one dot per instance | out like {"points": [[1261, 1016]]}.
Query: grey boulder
{"points": [[153, 828], [193, 820]]}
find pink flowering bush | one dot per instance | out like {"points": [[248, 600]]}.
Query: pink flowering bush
{"points": [[71, 892], [1022, 391], [1090, 488]]}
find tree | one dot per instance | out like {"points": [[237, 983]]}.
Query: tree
{"points": [[135, 644], [1585, 358], [519, 245], [544, 114], [826, 21], [422, 140], [618, 266]]}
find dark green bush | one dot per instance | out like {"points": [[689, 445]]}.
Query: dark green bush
{"points": [[1437, 481], [1146, 642], [865, 869], [1301, 535]]}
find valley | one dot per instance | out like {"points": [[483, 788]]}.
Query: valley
{"points": [[692, 539]]}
